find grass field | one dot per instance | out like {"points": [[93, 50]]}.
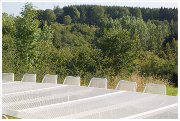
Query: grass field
{"points": [[171, 91]]}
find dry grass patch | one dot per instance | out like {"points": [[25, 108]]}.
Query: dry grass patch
{"points": [[141, 81]]}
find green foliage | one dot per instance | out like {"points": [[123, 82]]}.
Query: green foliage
{"points": [[92, 14], [59, 14], [8, 24], [149, 64], [67, 20], [101, 41], [75, 14], [49, 16], [57, 34], [86, 31], [172, 34], [72, 35], [168, 14], [170, 51], [136, 12], [151, 36], [26, 35], [96, 13], [170, 71], [40, 15], [8, 53], [46, 34], [119, 48], [106, 24], [121, 12]]}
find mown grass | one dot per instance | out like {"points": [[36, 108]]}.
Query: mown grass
{"points": [[171, 91], [11, 117]]}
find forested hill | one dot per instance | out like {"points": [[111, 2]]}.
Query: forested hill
{"points": [[91, 14], [92, 41]]}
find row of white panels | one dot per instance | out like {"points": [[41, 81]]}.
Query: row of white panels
{"points": [[94, 82]]}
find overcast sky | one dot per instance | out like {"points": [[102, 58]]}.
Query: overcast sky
{"points": [[15, 7]]}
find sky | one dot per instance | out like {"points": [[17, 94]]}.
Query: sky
{"points": [[14, 7]]}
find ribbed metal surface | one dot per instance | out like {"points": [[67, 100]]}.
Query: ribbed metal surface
{"points": [[55, 101]]}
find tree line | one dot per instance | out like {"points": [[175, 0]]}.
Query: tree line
{"points": [[91, 41], [92, 14]]}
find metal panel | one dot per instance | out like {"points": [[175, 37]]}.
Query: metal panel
{"points": [[98, 83], [126, 85], [155, 89], [54, 101], [29, 78], [50, 79], [8, 76], [72, 80]]}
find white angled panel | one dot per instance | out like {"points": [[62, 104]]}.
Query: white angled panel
{"points": [[29, 78], [98, 83], [126, 85], [50, 79], [155, 89], [8, 76], [72, 80]]}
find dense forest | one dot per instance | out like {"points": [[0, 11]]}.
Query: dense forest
{"points": [[91, 41]]}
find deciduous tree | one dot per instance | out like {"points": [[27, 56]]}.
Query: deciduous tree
{"points": [[67, 20], [27, 34], [119, 48], [49, 16]]}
